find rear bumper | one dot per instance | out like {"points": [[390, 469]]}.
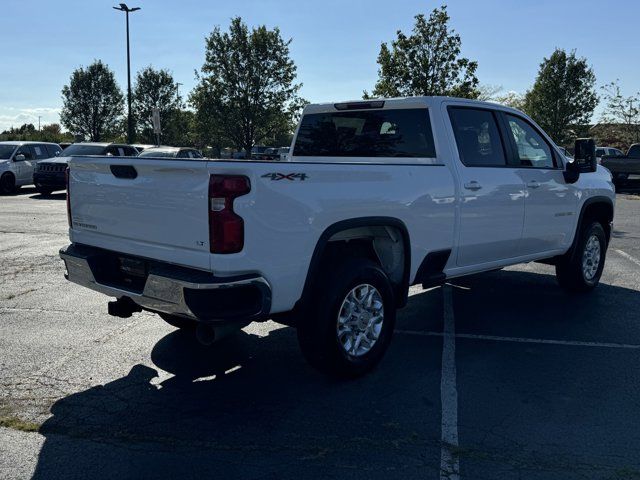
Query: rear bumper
{"points": [[171, 289]]}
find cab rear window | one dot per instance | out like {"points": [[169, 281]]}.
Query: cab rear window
{"points": [[398, 133]]}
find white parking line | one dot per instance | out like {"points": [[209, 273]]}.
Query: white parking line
{"points": [[449, 461], [628, 257], [543, 341]]}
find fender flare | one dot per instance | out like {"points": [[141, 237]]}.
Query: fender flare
{"points": [[588, 202]]}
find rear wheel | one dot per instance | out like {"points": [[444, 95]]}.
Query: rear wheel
{"points": [[179, 322], [7, 184], [349, 324], [581, 270]]}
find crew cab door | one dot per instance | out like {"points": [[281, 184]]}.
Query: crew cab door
{"points": [[491, 191], [550, 203]]}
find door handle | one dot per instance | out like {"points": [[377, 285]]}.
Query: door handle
{"points": [[533, 184], [473, 185]]}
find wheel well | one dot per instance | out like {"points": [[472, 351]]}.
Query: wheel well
{"points": [[601, 212], [381, 244], [384, 240]]}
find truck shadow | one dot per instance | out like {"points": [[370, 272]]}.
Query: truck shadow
{"points": [[33, 194], [251, 408]]}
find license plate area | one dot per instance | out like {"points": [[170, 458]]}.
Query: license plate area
{"points": [[125, 273], [133, 267]]}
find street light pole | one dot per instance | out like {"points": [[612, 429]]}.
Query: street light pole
{"points": [[124, 8]]}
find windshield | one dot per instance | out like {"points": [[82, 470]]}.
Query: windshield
{"points": [[79, 149], [634, 151], [159, 153], [6, 151]]}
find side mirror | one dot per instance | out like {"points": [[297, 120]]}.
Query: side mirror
{"points": [[19, 158], [585, 155], [584, 160]]}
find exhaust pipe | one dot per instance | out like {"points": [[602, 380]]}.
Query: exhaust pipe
{"points": [[207, 334]]}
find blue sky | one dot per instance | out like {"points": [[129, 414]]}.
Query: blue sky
{"points": [[335, 42]]}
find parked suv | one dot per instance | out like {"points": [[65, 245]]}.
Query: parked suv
{"points": [[48, 175], [17, 162]]}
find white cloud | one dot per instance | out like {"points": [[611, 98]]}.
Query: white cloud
{"points": [[14, 117]]}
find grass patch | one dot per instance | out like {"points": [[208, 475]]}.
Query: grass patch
{"points": [[15, 423]]}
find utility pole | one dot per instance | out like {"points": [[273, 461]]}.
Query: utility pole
{"points": [[123, 8], [39, 117]]}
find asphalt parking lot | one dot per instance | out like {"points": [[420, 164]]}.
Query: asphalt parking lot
{"points": [[496, 376]]}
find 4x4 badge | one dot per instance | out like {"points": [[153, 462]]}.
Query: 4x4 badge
{"points": [[286, 176]]}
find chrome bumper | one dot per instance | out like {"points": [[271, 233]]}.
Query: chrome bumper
{"points": [[168, 288]]}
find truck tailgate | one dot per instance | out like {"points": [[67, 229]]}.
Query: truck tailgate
{"points": [[145, 207]]}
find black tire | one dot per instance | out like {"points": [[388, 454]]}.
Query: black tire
{"points": [[7, 184], [572, 275], [318, 327], [179, 322], [45, 192]]}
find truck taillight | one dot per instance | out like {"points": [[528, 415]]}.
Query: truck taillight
{"points": [[66, 180], [226, 228]]}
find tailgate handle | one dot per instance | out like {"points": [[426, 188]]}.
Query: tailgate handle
{"points": [[123, 171]]}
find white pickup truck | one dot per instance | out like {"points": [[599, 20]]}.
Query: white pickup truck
{"points": [[376, 196]]}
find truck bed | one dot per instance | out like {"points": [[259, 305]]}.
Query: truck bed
{"points": [[624, 165]]}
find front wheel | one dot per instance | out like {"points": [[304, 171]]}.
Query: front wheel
{"points": [[349, 325], [581, 271], [7, 184]]}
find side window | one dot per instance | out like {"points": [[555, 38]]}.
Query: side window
{"points": [[115, 151], [600, 152], [183, 154], [53, 150], [131, 152], [532, 148], [478, 137], [40, 151], [26, 151]]}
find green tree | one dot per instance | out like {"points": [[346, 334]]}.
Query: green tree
{"points": [[426, 62], [511, 99], [562, 95], [246, 91], [53, 133], [92, 102], [155, 89], [622, 112]]}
